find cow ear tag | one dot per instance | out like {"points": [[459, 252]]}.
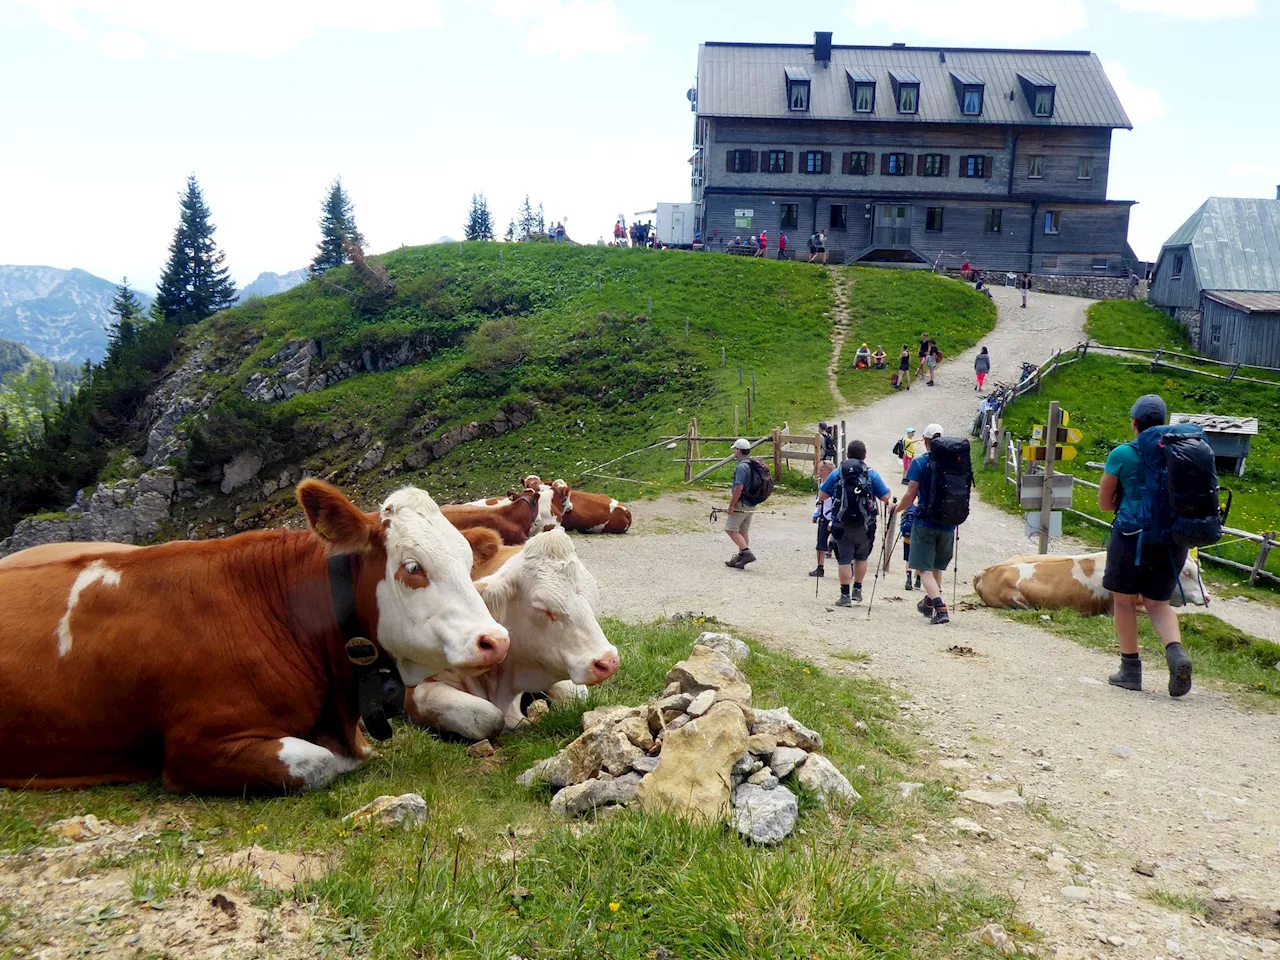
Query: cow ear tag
{"points": [[360, 651]]}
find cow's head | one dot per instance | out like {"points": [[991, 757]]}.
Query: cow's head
{"points": [[547, 599], [564, 494], [413, 590], [1191, 587]]}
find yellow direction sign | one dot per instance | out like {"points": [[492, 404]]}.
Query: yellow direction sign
{"points": [[1064, 418], [1065, 434], [1038, 453]]}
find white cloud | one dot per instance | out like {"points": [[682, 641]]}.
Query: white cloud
{"points": [[122, 46], [974, 22], [1142, 104], [1191, 9], [251, 28], [569, 28]]}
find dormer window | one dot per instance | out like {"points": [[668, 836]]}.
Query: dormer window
{"points": [[1040, 93], [906, 91], [969, 90], [862, 89], [797, 89]]}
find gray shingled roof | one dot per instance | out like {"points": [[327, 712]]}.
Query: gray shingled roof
{"points": [[1235, 243], [749, 80]]}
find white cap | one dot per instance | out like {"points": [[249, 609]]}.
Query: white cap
{"points": [[742, 443], [933, 430]]}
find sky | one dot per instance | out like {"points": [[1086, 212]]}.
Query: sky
{"points": [[108, 105]]}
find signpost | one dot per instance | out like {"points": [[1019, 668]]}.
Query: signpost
{"points": [[1065, 434], [1051, 456], [1031, 493], [1038, 454]]}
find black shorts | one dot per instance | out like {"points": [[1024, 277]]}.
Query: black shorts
{"points": [[1155, 579], [855, 546], [824, 534]]}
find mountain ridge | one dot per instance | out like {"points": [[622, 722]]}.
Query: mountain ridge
{"points": [[58, 313]]}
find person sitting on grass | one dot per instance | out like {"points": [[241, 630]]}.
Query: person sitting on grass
{"points": [[877, 358], [862, 358]]}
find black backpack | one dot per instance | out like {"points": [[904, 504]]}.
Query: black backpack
{"points": [[856, 497], [1180, 497], [759, 484], [948, 479]]}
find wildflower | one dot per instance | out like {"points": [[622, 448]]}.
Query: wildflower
{"points": [[614, 906], [806, 669]]}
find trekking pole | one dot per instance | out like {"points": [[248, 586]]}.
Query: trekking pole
{"points": [[883, 544], [955, 570]]}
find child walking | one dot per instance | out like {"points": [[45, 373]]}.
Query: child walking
{"points": [[904, 528]]}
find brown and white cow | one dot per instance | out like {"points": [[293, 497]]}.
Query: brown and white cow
{"points": [[551, 505], [546, 599], [222, 664], [1037, 582], [592, 512], [514, 519]]}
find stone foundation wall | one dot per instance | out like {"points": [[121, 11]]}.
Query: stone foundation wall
{"points": [[1192, 319], [1091, 287]]}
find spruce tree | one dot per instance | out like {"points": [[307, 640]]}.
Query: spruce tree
{"points": [[510, 235], [479, 224], [127, 311], [526, 220], [196, 283], [337, 225]]}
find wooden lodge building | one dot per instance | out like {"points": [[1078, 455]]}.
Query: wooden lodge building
{"points": [[919, 154]]}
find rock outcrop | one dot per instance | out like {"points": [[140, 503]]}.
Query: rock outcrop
{"points": [[126, 511], [170, 404]]}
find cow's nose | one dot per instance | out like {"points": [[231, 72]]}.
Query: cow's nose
{"points": [[491, 648], [604, 668]]}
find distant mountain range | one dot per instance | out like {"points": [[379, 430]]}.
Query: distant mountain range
{"points": [[268, 283], [59, 314]]}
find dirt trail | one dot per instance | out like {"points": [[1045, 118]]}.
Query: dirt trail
{"points": [[1112, 778], [842, 282]]}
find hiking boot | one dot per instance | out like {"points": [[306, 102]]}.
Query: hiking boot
{"points": [[919, 586], [818, 571], [843, 600], [908, 587], [736, 561], [747, 557], [925, 606], [940, 615], [1130, 675], [857, 593], [1179, 670]]}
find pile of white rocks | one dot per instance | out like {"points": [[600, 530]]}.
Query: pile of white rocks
{"points": [[701, 751]]}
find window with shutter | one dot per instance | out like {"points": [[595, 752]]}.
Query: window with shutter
{"points": [[946, 165], [786, 165], [777, 160], [908, 165], [826, 162], [931, 165], [813, 161], [846, 162], [987, 164], [897, 164], [742, 161], [884, 164]]}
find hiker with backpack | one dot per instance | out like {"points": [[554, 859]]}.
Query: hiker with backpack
{"points": [[822, 517], [1163, 488], [855, 487], [752, 485], [939, 482]]}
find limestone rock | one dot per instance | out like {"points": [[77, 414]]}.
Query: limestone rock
{"points": [[603, 747], [693, 776], [725, 643], [481, 749], [761, 744], [763, 778], [607, 715], [764, 816], [566, 691], [820, 775], [747, 764], [707, 669], [786, 729], [643, 765], [993, 798], [584, 797], [785, 759], [701, 703], [406, 810], [994, 935], [79, 829], [537, 711], [244, 466], [636, 729]]}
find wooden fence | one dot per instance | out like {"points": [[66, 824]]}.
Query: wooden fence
{"points": [[781, 440]]}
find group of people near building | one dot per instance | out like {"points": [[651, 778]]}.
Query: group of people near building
{"points": [[1143, 561], [638, 234]]}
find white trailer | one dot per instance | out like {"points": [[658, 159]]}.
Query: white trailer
{"points": [[675, 224]]}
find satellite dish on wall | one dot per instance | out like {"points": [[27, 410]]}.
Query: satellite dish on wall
{"points": [[692, 94]]}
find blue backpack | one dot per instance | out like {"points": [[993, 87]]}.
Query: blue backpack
{"points": [[1180, 499]]}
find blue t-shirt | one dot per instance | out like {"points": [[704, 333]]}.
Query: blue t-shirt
{"points": [[1125, 464], [918, 473], [832, 482]]}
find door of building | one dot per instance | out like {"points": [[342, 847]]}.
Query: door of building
{"points": [[892, 226]]}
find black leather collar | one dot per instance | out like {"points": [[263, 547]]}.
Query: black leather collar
{"points": [[380, 692]]}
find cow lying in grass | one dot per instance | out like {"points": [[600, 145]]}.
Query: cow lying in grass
{"points": [[585, 512], [515, 517], [1037, 582], [546, 599], [230, 665], [551, 505]]}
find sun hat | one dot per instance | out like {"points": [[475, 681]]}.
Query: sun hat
{"points": [[933, 430], [742, 443]]}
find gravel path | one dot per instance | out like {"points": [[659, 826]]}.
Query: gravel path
{"points": [[1113, 778]]}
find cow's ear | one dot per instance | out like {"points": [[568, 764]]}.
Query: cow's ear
{"points": [[485, 544], [560, 485], [341, 527]]}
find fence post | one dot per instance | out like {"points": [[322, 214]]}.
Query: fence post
{"points": [[739, 374], [1263, 550], [1050, 451], [748, 409], [722, 358], [697, 446], [688, 452], [650, 307], [1234, 367], [735, 421], [753, 386], [817, 454], [777, 455]]}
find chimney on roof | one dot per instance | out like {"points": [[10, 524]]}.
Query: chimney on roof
{"points": [[822, 48], [1278, 191]]}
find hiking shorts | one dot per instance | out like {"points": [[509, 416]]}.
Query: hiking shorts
{"points": [[1155, 579], [739, 521], [824, 535], [931, 548], [855, 546]]}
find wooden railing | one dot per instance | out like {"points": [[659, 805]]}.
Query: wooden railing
{"points": [[779, 437]]}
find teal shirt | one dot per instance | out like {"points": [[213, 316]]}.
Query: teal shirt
{"points": [[1125, 465]]}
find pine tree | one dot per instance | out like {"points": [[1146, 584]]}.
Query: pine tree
{"points": [[127, 311], [479, 222], [196, 283], [337, 225], [510, 235], [526, 220]]}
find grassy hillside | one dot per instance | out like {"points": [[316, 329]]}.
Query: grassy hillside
{"points": [[891, 307], [521, 328], [1098, 392]]}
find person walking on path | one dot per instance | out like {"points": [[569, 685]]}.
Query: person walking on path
{"points": [[932, 543], [1026, 287], [932, 360], [981, 367], [828, 431], [762, 244], [782, 245], [822, 517], [904, 368], [923, 353], [741, 506], [906, 448], [855, 487], [1139, 569], [904, 529]]}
